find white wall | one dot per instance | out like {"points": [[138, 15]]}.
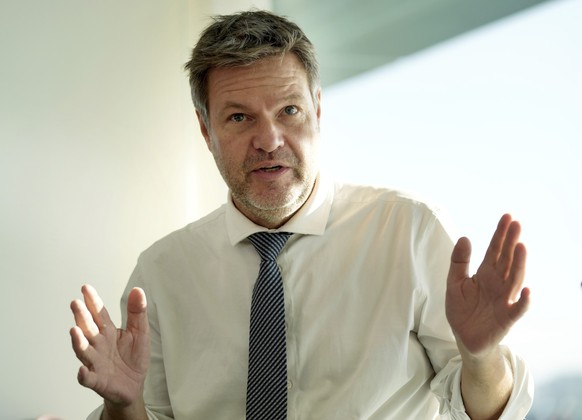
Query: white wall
{"points": [[99, 156]]}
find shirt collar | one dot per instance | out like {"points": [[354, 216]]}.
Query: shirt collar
{"points": [[311, 219]]}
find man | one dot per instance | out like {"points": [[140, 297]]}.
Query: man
{"points": [[372, 330]]}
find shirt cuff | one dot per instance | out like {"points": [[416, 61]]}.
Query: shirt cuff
{"points": [[447, 387], [96, 414]]}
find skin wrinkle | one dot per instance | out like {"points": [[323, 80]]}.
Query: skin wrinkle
{"points": [[267, 136]]}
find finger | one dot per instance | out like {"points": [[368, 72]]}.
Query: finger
{"points": [[496, 244], [84, 319], [137, 319], [504, 263], [519, 308], [517, 271], [96, 307], [81, 346], [86, 377], [460, 259], [78, 340]]}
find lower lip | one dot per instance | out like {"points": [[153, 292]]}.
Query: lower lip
{"points": [[270, 175]]}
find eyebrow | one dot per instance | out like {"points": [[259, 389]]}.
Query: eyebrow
{"points": [[232, 105]]}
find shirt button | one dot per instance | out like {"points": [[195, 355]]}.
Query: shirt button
{"points": [[289, 384]]}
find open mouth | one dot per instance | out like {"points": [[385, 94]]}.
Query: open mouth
{"points": [[271, 169]]}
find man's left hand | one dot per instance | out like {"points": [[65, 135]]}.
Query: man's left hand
{"points": [[481, 309]]}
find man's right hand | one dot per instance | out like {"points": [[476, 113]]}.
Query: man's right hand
{"points": [[115, 361]]}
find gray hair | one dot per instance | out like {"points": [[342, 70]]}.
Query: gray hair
{"points": [[241, 39]]}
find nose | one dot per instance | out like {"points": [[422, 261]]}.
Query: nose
{"points": [[268, 136]]}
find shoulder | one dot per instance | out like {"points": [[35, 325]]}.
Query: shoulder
{"points": [[380, 197], [204, 230], [383, 208]]}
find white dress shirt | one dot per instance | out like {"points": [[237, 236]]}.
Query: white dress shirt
{"points": [[367, 337]]}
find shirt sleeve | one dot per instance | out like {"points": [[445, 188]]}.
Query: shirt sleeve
{"points": [[436, 335], [447, 387]]}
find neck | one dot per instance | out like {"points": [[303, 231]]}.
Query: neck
{"points": [[269, 219]]}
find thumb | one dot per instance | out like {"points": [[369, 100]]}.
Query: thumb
{"points": [[137, 317], [460, 258]]}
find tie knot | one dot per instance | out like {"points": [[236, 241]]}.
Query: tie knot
{"points": [[269, 245]]}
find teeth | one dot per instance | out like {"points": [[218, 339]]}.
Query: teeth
{"points": [[271, 169]]}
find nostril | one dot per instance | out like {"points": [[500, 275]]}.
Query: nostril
{"points": [[268, 135], [268, 143]]}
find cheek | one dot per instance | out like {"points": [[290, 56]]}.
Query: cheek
{"points": [[214, 148], [230, 155], [217, 146]]}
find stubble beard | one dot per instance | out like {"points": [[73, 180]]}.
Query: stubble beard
{"points": [[276, 203]]}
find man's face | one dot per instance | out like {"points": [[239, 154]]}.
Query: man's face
{"points": [[263, 132]]}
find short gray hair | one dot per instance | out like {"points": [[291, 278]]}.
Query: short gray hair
{"points": [[242, 39]]}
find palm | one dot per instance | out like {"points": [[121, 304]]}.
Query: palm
{"points": [[115, 361], [481, 309]]}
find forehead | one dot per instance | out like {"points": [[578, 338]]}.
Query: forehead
{"points": [[269, 77]]}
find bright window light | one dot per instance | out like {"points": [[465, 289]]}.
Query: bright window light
{"points": [[488, 123]]}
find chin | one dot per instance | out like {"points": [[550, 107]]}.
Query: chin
{"points": [[276, 200], [274, 204]]}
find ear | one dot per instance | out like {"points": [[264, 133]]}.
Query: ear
{"points": [[318, 110], [203, 129]]}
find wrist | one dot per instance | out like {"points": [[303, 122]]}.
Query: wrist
{"points": [[486, 383], [488, 366], [133, 411]]}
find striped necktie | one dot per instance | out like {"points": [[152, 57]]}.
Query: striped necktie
{"points": [[267, 378]]}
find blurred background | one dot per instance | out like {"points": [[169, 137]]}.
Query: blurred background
{"points": [[474, 106]]}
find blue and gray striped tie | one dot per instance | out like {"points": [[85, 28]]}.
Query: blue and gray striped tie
{"points": [[267, 380]]}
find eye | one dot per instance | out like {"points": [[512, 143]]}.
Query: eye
{"points": [[237, 117], [291, 110]]}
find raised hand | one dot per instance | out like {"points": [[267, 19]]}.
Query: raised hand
{"points": [[481, 309], [115, 361]]}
